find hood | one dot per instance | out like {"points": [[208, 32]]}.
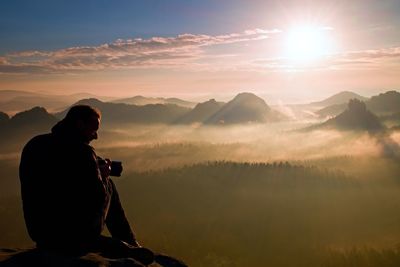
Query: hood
{"points": [[67, 130]]}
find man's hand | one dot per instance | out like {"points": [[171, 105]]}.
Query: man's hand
{"points": [[105, 169]]}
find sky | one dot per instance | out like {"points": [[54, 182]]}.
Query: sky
{"points": [[285, 51]]}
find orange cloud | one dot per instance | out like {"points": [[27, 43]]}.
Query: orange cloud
{"points": [[186, 51], [354, 60], [132, 53]]}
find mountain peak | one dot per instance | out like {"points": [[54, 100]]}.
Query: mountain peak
{"points": [[201, 112], [207, 103], [247, 96], [245, 108], [339, 98], [387, 102], [390, 93], [4, 116], [35, 117], [356, 117], [357, 106], [35, 111]]}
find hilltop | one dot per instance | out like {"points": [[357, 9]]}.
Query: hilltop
{"points": [[383, 104], [355, 117], [339, 98], [245, 108], [34, 116], [327, 107], [3, 118], [24, 125], [201, 112]]}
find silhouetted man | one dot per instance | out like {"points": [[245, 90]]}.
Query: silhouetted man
{"points": [[68, 198]]}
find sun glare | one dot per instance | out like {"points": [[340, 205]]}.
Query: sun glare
{"points": [[307, 43]]}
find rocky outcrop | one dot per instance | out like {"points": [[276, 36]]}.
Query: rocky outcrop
{"points": [[356, 117], [34, 258]]}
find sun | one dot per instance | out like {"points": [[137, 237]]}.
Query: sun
{"points": [[307, 43]]}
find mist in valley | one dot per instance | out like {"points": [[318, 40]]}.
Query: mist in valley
{"points": [[248, 195], [163, 146]]}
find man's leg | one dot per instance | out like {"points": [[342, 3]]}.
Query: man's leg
{"points": [[113, 248]]}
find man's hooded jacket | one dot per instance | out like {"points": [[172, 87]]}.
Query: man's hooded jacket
{"points": [[66, 202]]}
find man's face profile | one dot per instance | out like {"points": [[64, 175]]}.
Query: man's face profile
{"points": [[89, 129]]}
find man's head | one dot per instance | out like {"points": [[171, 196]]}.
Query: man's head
{"points": [[86, 120]]}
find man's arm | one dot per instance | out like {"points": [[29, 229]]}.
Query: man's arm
{"points": [[116, 220]]}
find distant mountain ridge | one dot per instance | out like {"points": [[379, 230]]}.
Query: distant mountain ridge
{"points": [[244, 108], [327, 107], [7, 95], [12, 101], [382, 104], [142, 101], [124, 113]]}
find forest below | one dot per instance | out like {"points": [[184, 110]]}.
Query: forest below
{"points": [[325, 211]]}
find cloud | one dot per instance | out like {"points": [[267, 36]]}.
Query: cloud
{"points": [[393, 52], [176, 51], [367, 58], [23, 68], [187, 51], [354, 60]]}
